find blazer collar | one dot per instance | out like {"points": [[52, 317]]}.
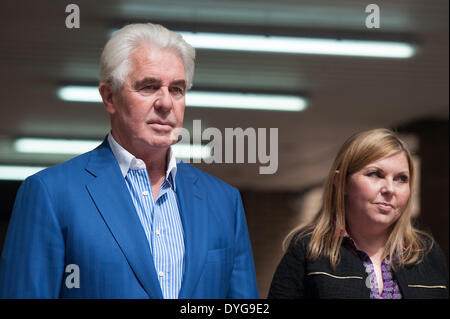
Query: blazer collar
{"points": [[192, 201], [111, 197]]}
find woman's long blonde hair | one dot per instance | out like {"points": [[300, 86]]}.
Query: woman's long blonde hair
{"points": [[405, 243]]}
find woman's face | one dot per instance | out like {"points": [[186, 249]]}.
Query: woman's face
{"points": [[377, 194]]}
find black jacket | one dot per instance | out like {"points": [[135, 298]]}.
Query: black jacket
{"points": [[296, 277]]}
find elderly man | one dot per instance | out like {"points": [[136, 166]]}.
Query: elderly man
{"points": [[127, 220]]}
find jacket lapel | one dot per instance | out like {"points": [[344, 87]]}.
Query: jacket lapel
{"points": [[194, 216], [111, 197]]}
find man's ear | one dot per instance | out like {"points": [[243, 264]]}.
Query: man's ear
{"points": [[106, 93]]}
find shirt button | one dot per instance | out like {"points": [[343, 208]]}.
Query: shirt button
{"points": [[161, 274], [145, 193], [158, 232]]}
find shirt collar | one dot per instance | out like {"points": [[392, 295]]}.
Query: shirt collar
{"points": [[348, 240], [128, 161]]}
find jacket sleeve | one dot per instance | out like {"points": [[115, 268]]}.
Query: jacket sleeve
{"points": [[288, 280], [243, 278], [32, 261], [438, 261]]}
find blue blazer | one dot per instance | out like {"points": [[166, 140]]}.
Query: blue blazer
{"points": [[80, 212]]}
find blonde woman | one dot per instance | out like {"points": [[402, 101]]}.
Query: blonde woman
{"points": [[362, 243]]}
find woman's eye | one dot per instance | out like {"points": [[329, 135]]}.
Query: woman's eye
{"points": [[403, 179], [374, 174]]}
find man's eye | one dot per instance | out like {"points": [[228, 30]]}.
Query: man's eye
{"points": [[177, 90]]}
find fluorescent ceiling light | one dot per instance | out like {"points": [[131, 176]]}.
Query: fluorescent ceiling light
{"points": [[275, 102], [54, 146], [17, 173], [192, 151], [79, 93], [75, 147], [248, 101], [298, 45], [282, 44]]}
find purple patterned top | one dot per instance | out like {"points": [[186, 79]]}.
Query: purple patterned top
{"points": [[391, 289]]}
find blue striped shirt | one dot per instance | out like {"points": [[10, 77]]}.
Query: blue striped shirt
{"points": [[160, 218]]}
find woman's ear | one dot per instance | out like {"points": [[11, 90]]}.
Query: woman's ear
{"points": [[335, 178], [106, 93], [336, 181]]}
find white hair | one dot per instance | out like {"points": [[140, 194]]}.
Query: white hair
{"points": [[115, 65]]}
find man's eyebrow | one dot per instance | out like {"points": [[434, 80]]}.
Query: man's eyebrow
{"points": [[179, 82], [151, 80], [147, 80]]}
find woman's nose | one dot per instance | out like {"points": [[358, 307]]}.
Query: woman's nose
{"points": [[388, 186]]}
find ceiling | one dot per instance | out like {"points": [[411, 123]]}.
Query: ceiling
{"points": [[345, 94]]}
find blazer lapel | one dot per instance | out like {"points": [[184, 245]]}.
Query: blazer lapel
{"points": [[111, 197], [194, 216]]}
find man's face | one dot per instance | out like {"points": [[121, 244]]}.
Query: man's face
{"points": [[148, 110]]}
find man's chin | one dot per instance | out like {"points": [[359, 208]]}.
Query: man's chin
{"points": [[160, 143]]}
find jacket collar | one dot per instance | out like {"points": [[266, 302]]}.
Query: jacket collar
{"points": [[192, 201], [111, 196]]}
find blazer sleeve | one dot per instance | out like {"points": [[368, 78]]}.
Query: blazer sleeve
{"points": [[438, 260], [288, 280], [243, 278], [32, 261]]}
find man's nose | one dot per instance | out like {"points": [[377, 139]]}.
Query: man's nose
{"points": [[163, 100]]}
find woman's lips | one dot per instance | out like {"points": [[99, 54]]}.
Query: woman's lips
{"points": [[384, 206]]}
